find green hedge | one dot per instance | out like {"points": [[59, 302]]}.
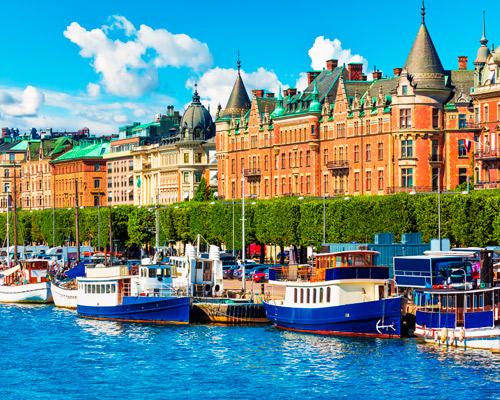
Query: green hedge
{"points": [[472, 220]]}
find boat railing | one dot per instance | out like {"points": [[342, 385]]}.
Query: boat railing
{"points": [[307, 273]]}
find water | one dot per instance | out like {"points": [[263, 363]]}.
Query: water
{"points": [[47, 353]]}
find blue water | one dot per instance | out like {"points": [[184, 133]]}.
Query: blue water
{"points": [[47, 353]]}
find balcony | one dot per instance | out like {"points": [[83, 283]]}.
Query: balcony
{"points": [[413, 189], [436, 159], [146, 165], [488, 155], [468, 125], [487, 185], [338, 167], [252, 173]]}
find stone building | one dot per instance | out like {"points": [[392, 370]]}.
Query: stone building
{"points": [[486, 95], [169, 171], [12, 155], [83, 164], [36, 187], [346, 135]]}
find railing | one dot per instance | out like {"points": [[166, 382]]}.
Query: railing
{"points": [[252, 172], [413, 189], [357, 273], [490, 154], [334, 165], [435, 158], [309, 274], [468, 125], [487, 185]]}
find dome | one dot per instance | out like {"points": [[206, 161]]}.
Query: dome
{"points": [[482, 54], [197, 123]]}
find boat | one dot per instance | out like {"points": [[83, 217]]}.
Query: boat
{"points": [[64, 293], [111, 293], [463, 310], [26, 282], [342, 294]]}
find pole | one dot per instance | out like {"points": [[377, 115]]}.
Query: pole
{"points": [[439, 207], [157, 220], [233, 227], [324, 219], [14, 215], [53, 226], [8, 232], [110, 238], [243, 255], [99, 224], [77, 225]]}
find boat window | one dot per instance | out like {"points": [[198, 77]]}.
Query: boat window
{"points": [[92, 288], [308, 299], [320, 295], [108, 288], [166, 272], [381, 291], [295, 295], [328, 294], [152, 272], [98, 289], [301, 295], [314, 295]]}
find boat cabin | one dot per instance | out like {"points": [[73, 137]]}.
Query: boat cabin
{"points": [[26, 272]]}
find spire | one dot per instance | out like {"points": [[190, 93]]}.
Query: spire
{"points": [[279, 109], [483, 40], [196, 96], [315, 105], [423, 12], [238, 102]]}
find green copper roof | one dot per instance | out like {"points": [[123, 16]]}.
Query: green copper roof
{"points": [[21, 146], [315, 105], [279, 109], [81, 151]]}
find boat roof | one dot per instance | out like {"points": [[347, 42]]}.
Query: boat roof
{"points": [[347, 252]]}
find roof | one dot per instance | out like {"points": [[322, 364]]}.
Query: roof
{"points": [[20, 146], [84, 151], [51, 147], [463, 81], [238, 102]]}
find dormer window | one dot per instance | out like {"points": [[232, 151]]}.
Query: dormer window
{"points": [[404, 90]]}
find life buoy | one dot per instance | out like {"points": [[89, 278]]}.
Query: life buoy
{"points": [[444, 335]]}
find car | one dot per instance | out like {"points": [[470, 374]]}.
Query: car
{"points": [[260, 274]]}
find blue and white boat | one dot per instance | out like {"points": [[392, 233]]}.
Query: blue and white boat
{"points": [[111, 293], [343, 294]]}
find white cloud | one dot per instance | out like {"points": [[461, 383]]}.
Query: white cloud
{"points": [[301, 83], [215, 85], [22, 104], [130, 68], [325, 49], [93, 89]]}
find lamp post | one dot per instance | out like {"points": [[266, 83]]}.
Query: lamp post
{"points": [[439, 206], [233, 227], [324, 219]]}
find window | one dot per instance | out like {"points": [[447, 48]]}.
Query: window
{"points": [[233, 166], [341, 154], [97, 183], [380, 150], [312, 129], [325, 183], [283, 188], [462, 148], [276, 161], [131, 181], [131, 165], [356, 153], [328, 294], [290, 160], [356, 181], [308, 158], [462, 121], [186, 158], [308, 294], [283, 160], [380, 180], [275, 186], [435, 118], [367, 127], [380, 125], [308, 184], [462, 175], [266, 163], [368, 152], [295, 290], [300, 159], [404, 90], [314, 295], [6, 173], [325, 156], [405, 118], [186, 177], [301, 295], [435, 179], [197, 176], [368, 181], [110, 168], [197, 158], [407, 148], [407, 177], [97, 167], [320, 295], [477, 118], [486, 114], [266, 187]]}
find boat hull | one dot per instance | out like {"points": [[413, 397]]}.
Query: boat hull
{"points": [[381, 318], [64, 297], [30, 293], [230, 313], [153, 310]]}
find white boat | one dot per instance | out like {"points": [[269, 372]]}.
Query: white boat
{"points": [[26, 283], [64, 294]]}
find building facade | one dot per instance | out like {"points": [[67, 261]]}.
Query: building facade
{"points": [[344, 135], [170, 171], [120, 159], [12, 155], [81, 172], [36, 189], [486, 95]]}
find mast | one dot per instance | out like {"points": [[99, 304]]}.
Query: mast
{"points": [[243, 250], [110, 238], [77, 226], [157, 221], [14, 215], [8, 231]]}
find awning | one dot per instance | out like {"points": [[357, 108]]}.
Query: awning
{"points": [[10, 271]]}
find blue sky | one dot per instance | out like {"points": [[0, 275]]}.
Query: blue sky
{"points": [[105, 63]]}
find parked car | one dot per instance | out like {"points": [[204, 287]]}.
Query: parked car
{"points": [[250, 265], [260, 274]]}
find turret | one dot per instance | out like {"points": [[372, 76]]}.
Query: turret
{"points": [[239, 102]]}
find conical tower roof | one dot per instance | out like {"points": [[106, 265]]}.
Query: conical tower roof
{"points": [[238, 102], [423, 63]]}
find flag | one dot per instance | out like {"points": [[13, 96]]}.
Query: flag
{"points": [[138, 181]]}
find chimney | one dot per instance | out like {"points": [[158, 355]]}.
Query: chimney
{"points": [[331, 64], [311, 76], [292, 91], [462, 62], [397, 71], [355, 71], [269, 95], [377, 75], [258, 93]]}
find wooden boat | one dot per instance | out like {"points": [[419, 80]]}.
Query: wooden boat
{"points": [[26, 282]]}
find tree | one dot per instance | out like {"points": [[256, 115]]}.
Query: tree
{"points": [[202, 192]]}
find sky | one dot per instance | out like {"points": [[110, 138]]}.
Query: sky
{"points": [[103, 64]]}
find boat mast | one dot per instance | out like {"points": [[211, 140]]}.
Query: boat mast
{"points": [[8, 231], [110, 239], [14, 215], [243, 250], [77, 225], [157, 221]]}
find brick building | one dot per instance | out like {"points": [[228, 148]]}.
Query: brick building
{"points": [[486, 95], [12, 155], [83, 163], [36, 187], [346, 135]]}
